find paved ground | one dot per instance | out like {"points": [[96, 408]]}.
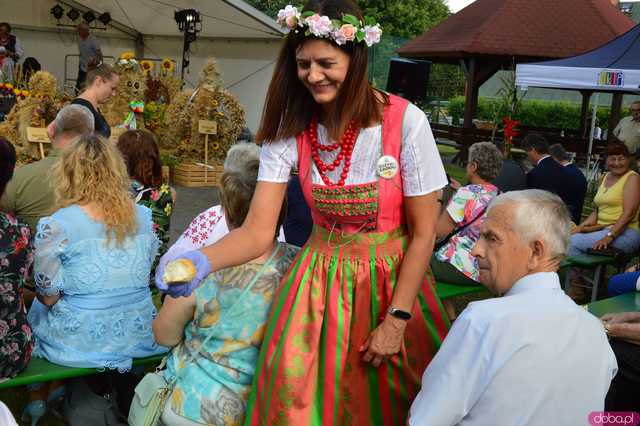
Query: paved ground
{"points": [[190, 202]]}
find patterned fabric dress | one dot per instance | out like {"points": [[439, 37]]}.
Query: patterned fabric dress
{"points": [[310, 370], [16, 257], [213, 389], [467, 203]]}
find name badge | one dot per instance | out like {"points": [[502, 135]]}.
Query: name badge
{"points": [[387, 167]]}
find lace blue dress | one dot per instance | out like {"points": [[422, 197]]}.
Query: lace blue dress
{"points": [[103, 317]]}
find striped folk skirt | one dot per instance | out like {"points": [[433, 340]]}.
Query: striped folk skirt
{"points": [[310, 369]]}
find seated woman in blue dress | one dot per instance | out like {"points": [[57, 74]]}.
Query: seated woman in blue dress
{"points": [[92, 264], [230, 308]]}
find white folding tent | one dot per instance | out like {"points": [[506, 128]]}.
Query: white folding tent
{"points": [[613, 68], [244, 41]]}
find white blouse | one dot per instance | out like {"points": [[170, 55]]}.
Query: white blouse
{"points": [[420, 164]]}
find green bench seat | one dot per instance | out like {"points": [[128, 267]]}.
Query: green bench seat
{"points": [[628, 302], [41, 370], [589, 262], [446, 291]]}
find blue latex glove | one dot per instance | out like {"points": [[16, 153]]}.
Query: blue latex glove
{"points": [[203, 269]]}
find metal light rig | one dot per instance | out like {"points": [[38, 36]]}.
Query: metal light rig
{"points": [[189, 23]]}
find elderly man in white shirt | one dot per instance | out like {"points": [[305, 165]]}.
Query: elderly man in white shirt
{"points": [[532, 356]]}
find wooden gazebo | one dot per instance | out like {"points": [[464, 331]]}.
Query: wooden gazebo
{"points": [[490, 35]]}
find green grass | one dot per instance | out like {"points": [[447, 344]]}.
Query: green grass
{"points": [[447, 150]]}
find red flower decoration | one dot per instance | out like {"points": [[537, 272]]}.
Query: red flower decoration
{"points": [[510, 131]]}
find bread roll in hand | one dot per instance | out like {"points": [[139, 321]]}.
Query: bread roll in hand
{"points": [[179, 271]]}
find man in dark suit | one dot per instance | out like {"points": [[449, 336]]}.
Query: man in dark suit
{"points": [[576, 182], [511, 177], [547, 174]]}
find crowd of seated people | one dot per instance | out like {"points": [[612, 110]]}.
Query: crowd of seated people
{"points": [[95, 250]]}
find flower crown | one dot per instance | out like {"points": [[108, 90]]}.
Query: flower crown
{"points": [[349, 28]]}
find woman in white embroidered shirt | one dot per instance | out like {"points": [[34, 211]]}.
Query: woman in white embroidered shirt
{"points": [[370, 172]]}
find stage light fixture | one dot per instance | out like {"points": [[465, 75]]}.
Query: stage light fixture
{"points": [[57, 11], [189, 23], [89, 17], [73, 14], [105, 18]]}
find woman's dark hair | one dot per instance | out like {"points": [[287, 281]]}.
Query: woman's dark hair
{"points": [[141, 155], [104, 71], [617, 147], [7, 163], [289, 106]]}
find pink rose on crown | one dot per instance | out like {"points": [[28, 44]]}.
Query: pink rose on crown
{"points": [[372, 34], [319, 26], [289, 16], [345, 33]]}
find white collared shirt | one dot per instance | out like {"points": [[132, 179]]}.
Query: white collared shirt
{"points": [[532, 357], [542, 158]]}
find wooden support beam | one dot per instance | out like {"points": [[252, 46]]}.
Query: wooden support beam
{"points": [[470, 93], [614, 119], [584, 111]]}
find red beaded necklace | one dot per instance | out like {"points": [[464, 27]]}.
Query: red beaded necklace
{"points": [[346, 144]]}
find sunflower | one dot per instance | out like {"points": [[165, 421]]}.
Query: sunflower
{"points": [[127, 55], [147, 66], [167, 65]]}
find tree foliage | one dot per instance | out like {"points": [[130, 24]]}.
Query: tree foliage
{"points": [[399, 18]]}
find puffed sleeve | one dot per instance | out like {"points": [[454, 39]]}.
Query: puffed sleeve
{"points": [[50, 242], [459, 207], [420, 162], [277, 159]]}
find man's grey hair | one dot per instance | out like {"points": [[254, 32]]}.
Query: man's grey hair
{"points": [[239, 155], [538, 214], [488, 158], [75, 120], [83, 26]]}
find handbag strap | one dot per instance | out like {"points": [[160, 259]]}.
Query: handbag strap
{"points": [[195, 353]]}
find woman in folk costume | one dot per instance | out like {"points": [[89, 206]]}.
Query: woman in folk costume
{"points": [[356, 320]]}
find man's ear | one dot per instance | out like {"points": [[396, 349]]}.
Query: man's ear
{"points": [[537, 253]]}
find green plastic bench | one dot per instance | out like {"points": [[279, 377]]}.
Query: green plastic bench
{"points": [[589, 262], [41, 370], [446, 291], [628, 302]]}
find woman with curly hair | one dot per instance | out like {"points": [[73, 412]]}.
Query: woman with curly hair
{"points": [[92, 265]]}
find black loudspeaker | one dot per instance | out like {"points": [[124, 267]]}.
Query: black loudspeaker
{"points": [[408, 78]]}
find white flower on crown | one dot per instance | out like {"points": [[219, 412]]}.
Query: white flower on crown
{"points": [[372, 34], [345, 33], [319, 26], [289, 16]]}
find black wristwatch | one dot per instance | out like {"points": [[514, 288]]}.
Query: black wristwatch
{"points": [[399, 313]]}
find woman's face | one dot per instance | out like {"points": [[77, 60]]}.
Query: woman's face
{"points": [[106, 87], [322, 68], [618, 164]]}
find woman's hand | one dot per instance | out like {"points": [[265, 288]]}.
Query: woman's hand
{"points": [[575, 229], [200, 262], [629, 331], [385, 341], [603, 243], [620, 317], [454, 184]]}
